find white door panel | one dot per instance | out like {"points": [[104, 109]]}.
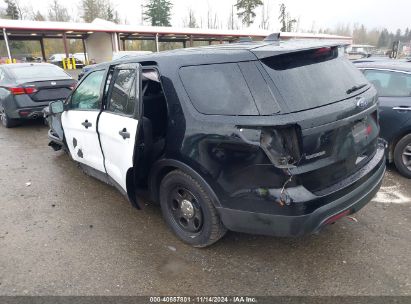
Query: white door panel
{"points": [[83, 142], [118, 150]]}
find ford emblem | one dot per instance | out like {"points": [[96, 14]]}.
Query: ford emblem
{"points": [[362, 103]]}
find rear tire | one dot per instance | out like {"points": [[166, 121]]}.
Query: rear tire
{"points": [[188, 210], [402, 156], [7, 121]]}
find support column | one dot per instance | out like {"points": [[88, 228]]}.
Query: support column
{"points": [[157, 46], [84, 51], [65, 45], [124, 45], [114, 39], [119, 42], [6, 40], [191, 41], [43, 51], [184, 44]]}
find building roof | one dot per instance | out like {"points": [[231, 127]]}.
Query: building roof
{"points": [[98, 25]]}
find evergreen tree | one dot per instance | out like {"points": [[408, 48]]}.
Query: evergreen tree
{"points": [[93, 9], [158, 12], [12, 11], [247, 8], [283, 17]]}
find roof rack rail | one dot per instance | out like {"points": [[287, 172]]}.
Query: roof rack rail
{"points": [[273, 37]]}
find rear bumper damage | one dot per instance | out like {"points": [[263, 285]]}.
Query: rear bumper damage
{"points": [[309, 212]]}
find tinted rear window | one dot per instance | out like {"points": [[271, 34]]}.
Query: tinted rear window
{"points": [[218, 89], [34, 72], [313, 78]]}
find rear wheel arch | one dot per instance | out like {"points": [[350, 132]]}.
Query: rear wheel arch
{"points": [[394, 143], [400, 158], [161, 168]]}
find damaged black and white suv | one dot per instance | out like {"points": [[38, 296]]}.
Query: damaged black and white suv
{"points": [[274, 138]]}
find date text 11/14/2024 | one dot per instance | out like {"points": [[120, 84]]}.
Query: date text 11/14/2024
{"points": [[203, 299]]}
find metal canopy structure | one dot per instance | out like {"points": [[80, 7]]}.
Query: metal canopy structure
{"points": [[25, 30]]}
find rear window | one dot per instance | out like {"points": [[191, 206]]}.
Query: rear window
{"points": [[313, 78], [41, 72]]}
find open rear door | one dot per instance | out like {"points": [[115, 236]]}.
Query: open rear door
{"points": [[118, 122]]}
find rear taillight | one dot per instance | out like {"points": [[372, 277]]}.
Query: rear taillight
{"points": [[17, 91], [282, 145], [20, 91], [30, 90]]}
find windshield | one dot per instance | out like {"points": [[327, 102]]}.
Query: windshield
{"points": [[313, 78], [38, 72]]}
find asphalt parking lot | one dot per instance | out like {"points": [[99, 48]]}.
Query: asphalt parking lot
{"points": [[64, 233]]}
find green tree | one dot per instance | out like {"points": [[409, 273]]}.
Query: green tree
{"points": [[283, 17], [158, 12], [246, 10], [290, 23], [57, 12], [93, 9], [102, 9], [12, 11]]}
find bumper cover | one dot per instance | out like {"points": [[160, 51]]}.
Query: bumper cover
{"points": [[33, 112], [288, 225]]}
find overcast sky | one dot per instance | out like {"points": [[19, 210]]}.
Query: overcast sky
{"points": [[391, 14]]}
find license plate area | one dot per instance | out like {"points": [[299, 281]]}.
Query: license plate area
{"points": [[361, 130]]}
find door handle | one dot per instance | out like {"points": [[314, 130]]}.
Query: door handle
{"points": [[123, 133], [86, 124], [402, 108]]}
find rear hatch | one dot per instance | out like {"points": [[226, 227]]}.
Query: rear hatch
{"points": [[329, 116]]}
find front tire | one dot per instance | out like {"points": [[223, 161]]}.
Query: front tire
{"points": [[188, 210], [402, 156]]}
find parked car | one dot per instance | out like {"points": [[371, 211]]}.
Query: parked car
{"points": [[26, 88], [260, 138], [393, 82], [81, 57], [57, 59]]}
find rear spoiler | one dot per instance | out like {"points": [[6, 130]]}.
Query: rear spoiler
{"points": [[292, 46]]}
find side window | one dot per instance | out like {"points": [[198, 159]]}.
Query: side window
{"points": [[122, 96], [390, 84], [87, 94], [218, 89]]}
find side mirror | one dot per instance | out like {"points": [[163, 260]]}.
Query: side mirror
{"points": [[56, 107]]}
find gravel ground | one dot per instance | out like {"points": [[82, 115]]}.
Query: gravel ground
{"points": [[64, 233]]}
